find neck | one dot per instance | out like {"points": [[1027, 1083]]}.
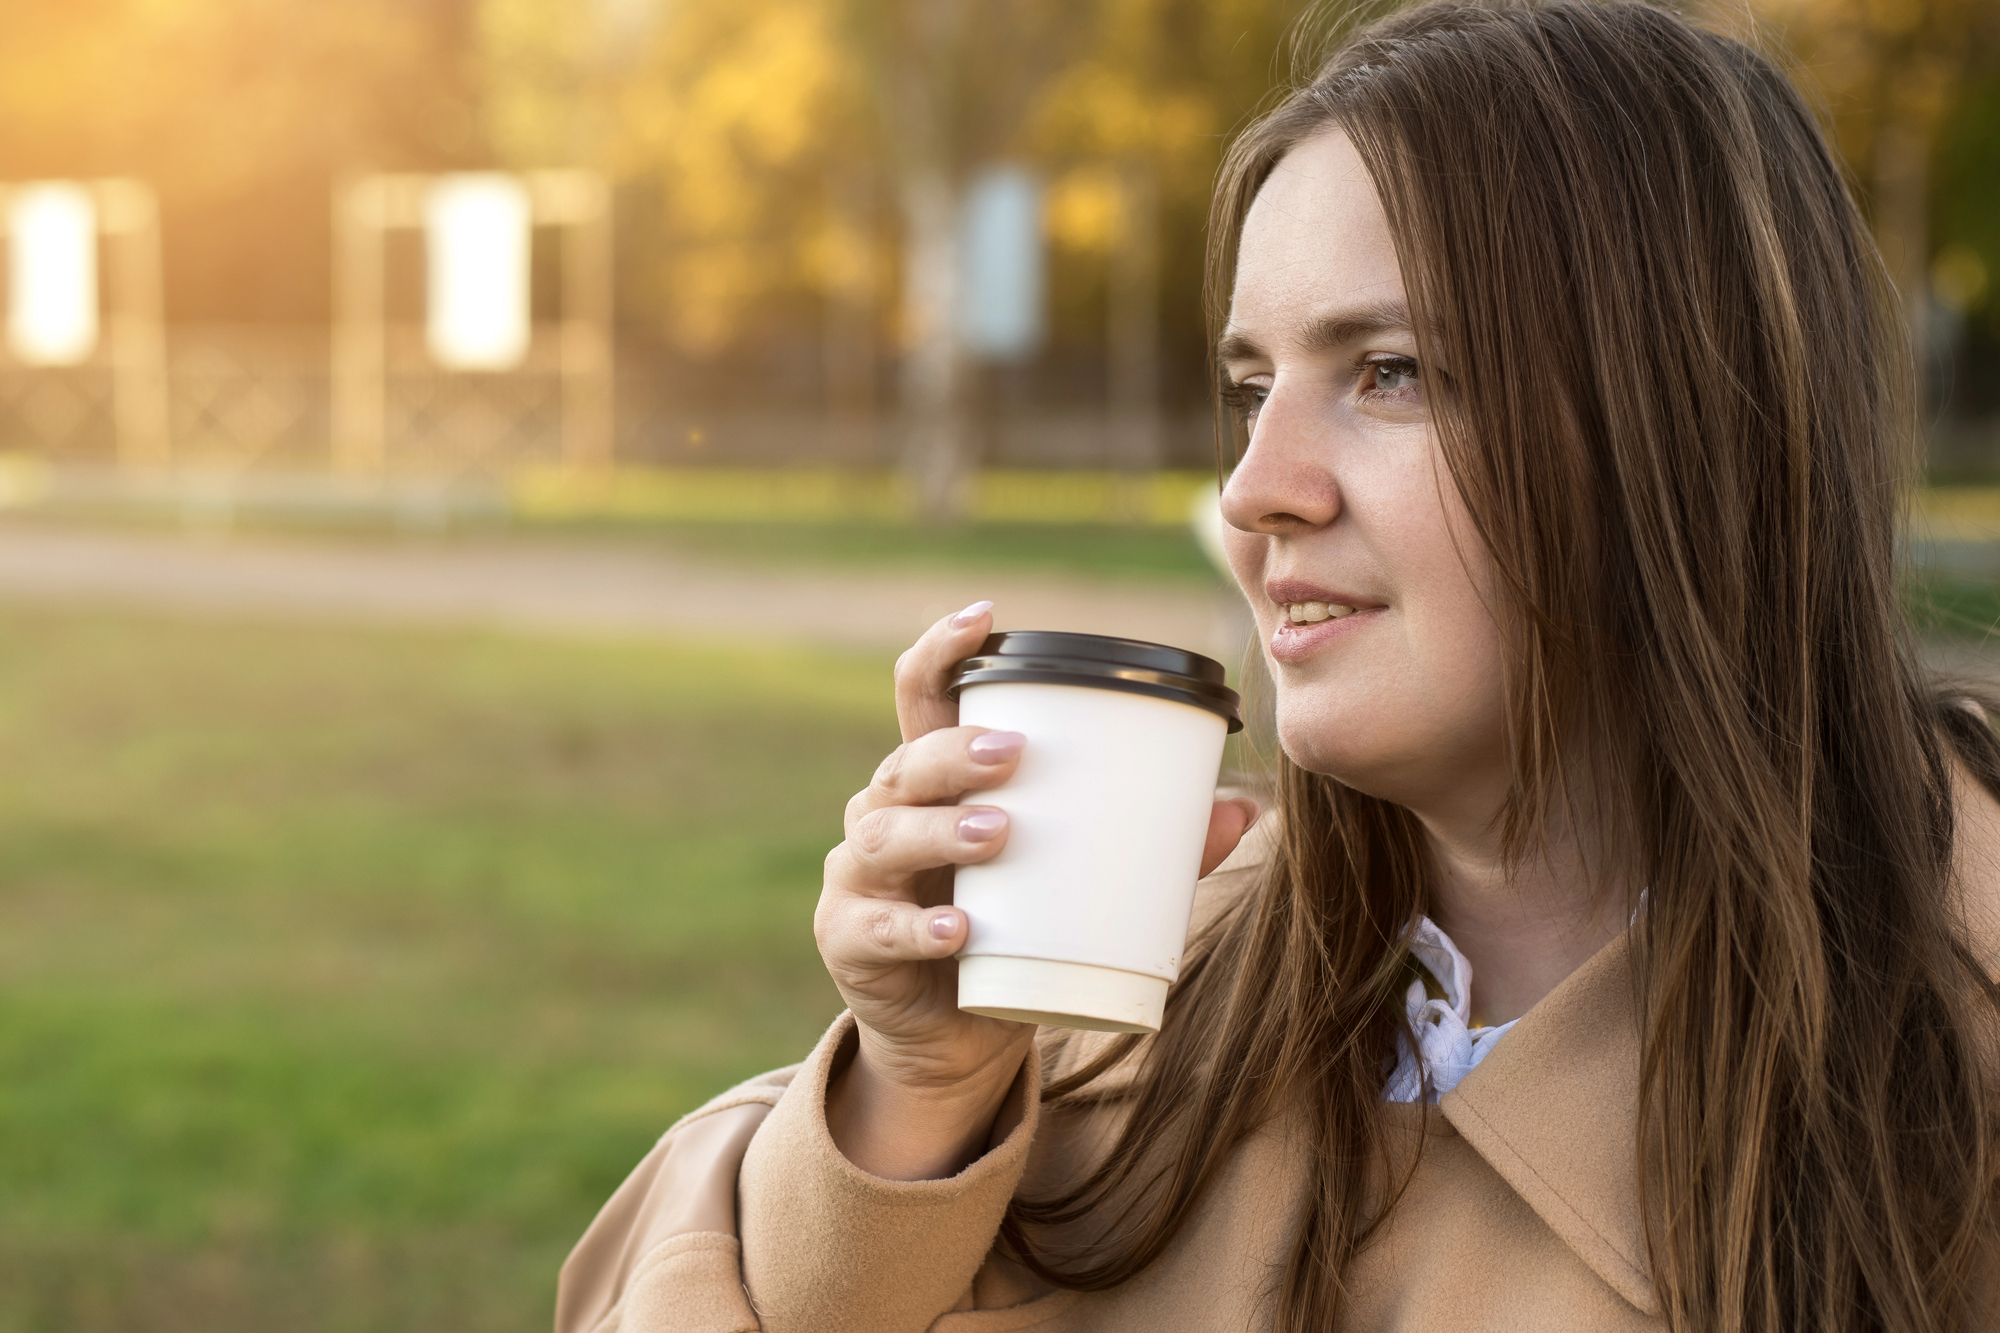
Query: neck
{"points": [[1523, 927]]}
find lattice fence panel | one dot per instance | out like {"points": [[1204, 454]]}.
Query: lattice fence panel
{"points": [[62, 413], [260, 398], [445, 423], [248, 398]]}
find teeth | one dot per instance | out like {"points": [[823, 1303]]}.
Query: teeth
{"points": [[1311, 613]]}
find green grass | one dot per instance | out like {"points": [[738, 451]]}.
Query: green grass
{"points": [[344, 973], [1956, 608]]}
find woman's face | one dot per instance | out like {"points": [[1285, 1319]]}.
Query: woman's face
{"points": [[1343, 511]]}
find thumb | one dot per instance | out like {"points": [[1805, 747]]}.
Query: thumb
{"points": [[1227, 823]]}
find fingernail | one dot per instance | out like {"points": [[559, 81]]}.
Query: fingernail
{"points": [[944, 925], [1256, 810], [996, 747], [981, 825], [970, 614]]}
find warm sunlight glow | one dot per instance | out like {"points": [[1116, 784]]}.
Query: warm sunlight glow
{"points": [[51, 274], [477, 229]]}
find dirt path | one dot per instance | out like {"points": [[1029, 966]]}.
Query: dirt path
{"points": [[583, 588]]}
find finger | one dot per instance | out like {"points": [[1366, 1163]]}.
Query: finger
{"points": [[889, 844], [863, 935], [1227, 823], [923, 672], [938, 768]]}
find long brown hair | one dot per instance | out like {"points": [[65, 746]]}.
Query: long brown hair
{"points": [[1670, 387]]}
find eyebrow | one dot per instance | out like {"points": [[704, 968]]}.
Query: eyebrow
{"points": [[1324, 333]]}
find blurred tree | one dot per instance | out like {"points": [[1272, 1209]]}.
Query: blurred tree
{"points": [[754, 142], [1134, 127], [1894, 76], [719, 114], [1965, 268], [952, 83]]}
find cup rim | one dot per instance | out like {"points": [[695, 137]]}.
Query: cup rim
{"points": [[1099, 661]]}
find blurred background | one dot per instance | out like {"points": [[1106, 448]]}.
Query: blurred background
{"points": [[466, 468]]}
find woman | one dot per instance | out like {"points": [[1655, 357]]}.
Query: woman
{"points": [[1619, 952]]}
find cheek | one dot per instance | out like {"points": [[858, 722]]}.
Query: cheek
{"points": [[1418, 706], [1423, 712]]}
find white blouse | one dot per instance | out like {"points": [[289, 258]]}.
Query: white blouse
{"points": [[1447, 1045]]}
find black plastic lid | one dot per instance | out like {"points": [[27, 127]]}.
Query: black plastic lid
{"points": [[1045, 657]]}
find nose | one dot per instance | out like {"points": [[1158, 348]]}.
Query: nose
{"points": [[1285, 484]]}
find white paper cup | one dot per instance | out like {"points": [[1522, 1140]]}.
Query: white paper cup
{"points": [[1081, 919]]}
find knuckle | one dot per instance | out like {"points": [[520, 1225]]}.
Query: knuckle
{"points": [[872, 833], [881, 929], [890, 773]]}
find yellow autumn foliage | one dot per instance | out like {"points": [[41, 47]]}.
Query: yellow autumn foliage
{"points": [[744, 130]]}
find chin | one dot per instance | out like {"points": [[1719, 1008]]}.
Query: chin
{"points": [[1333, 747]]}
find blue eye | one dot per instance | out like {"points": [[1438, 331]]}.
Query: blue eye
{"points": [[1394, 373]]}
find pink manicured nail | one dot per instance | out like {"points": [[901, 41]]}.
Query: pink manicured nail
{"points": [[996, 747], [944, 925], [981, 825], [970, 614]]}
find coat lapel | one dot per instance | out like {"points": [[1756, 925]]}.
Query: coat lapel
{"points": [[1555, 1110]]}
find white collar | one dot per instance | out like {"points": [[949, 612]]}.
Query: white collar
{"points": [[1448, 1046]]}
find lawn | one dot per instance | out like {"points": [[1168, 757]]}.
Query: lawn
{"points": [[343, 973], [1959, 608]]}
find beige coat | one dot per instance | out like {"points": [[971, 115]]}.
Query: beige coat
{"points": [[1522, 1213]]}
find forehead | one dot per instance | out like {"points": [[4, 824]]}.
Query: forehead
{"points": [[1315, 239]]}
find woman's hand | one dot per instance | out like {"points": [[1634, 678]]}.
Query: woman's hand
{"points": [[919, 1097]]}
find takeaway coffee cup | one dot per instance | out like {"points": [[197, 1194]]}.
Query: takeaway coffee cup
{"points": [[1080, 920]]}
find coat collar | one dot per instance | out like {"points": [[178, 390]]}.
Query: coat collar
{"points": [[1555, 1110]]}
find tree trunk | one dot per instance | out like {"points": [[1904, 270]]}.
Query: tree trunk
{"points": [[848, 331], [1133, 323], [935, 453], [933, 370]]}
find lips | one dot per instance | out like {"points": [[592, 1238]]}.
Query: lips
{"points": [[1313, 615], [1299, 592]]}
